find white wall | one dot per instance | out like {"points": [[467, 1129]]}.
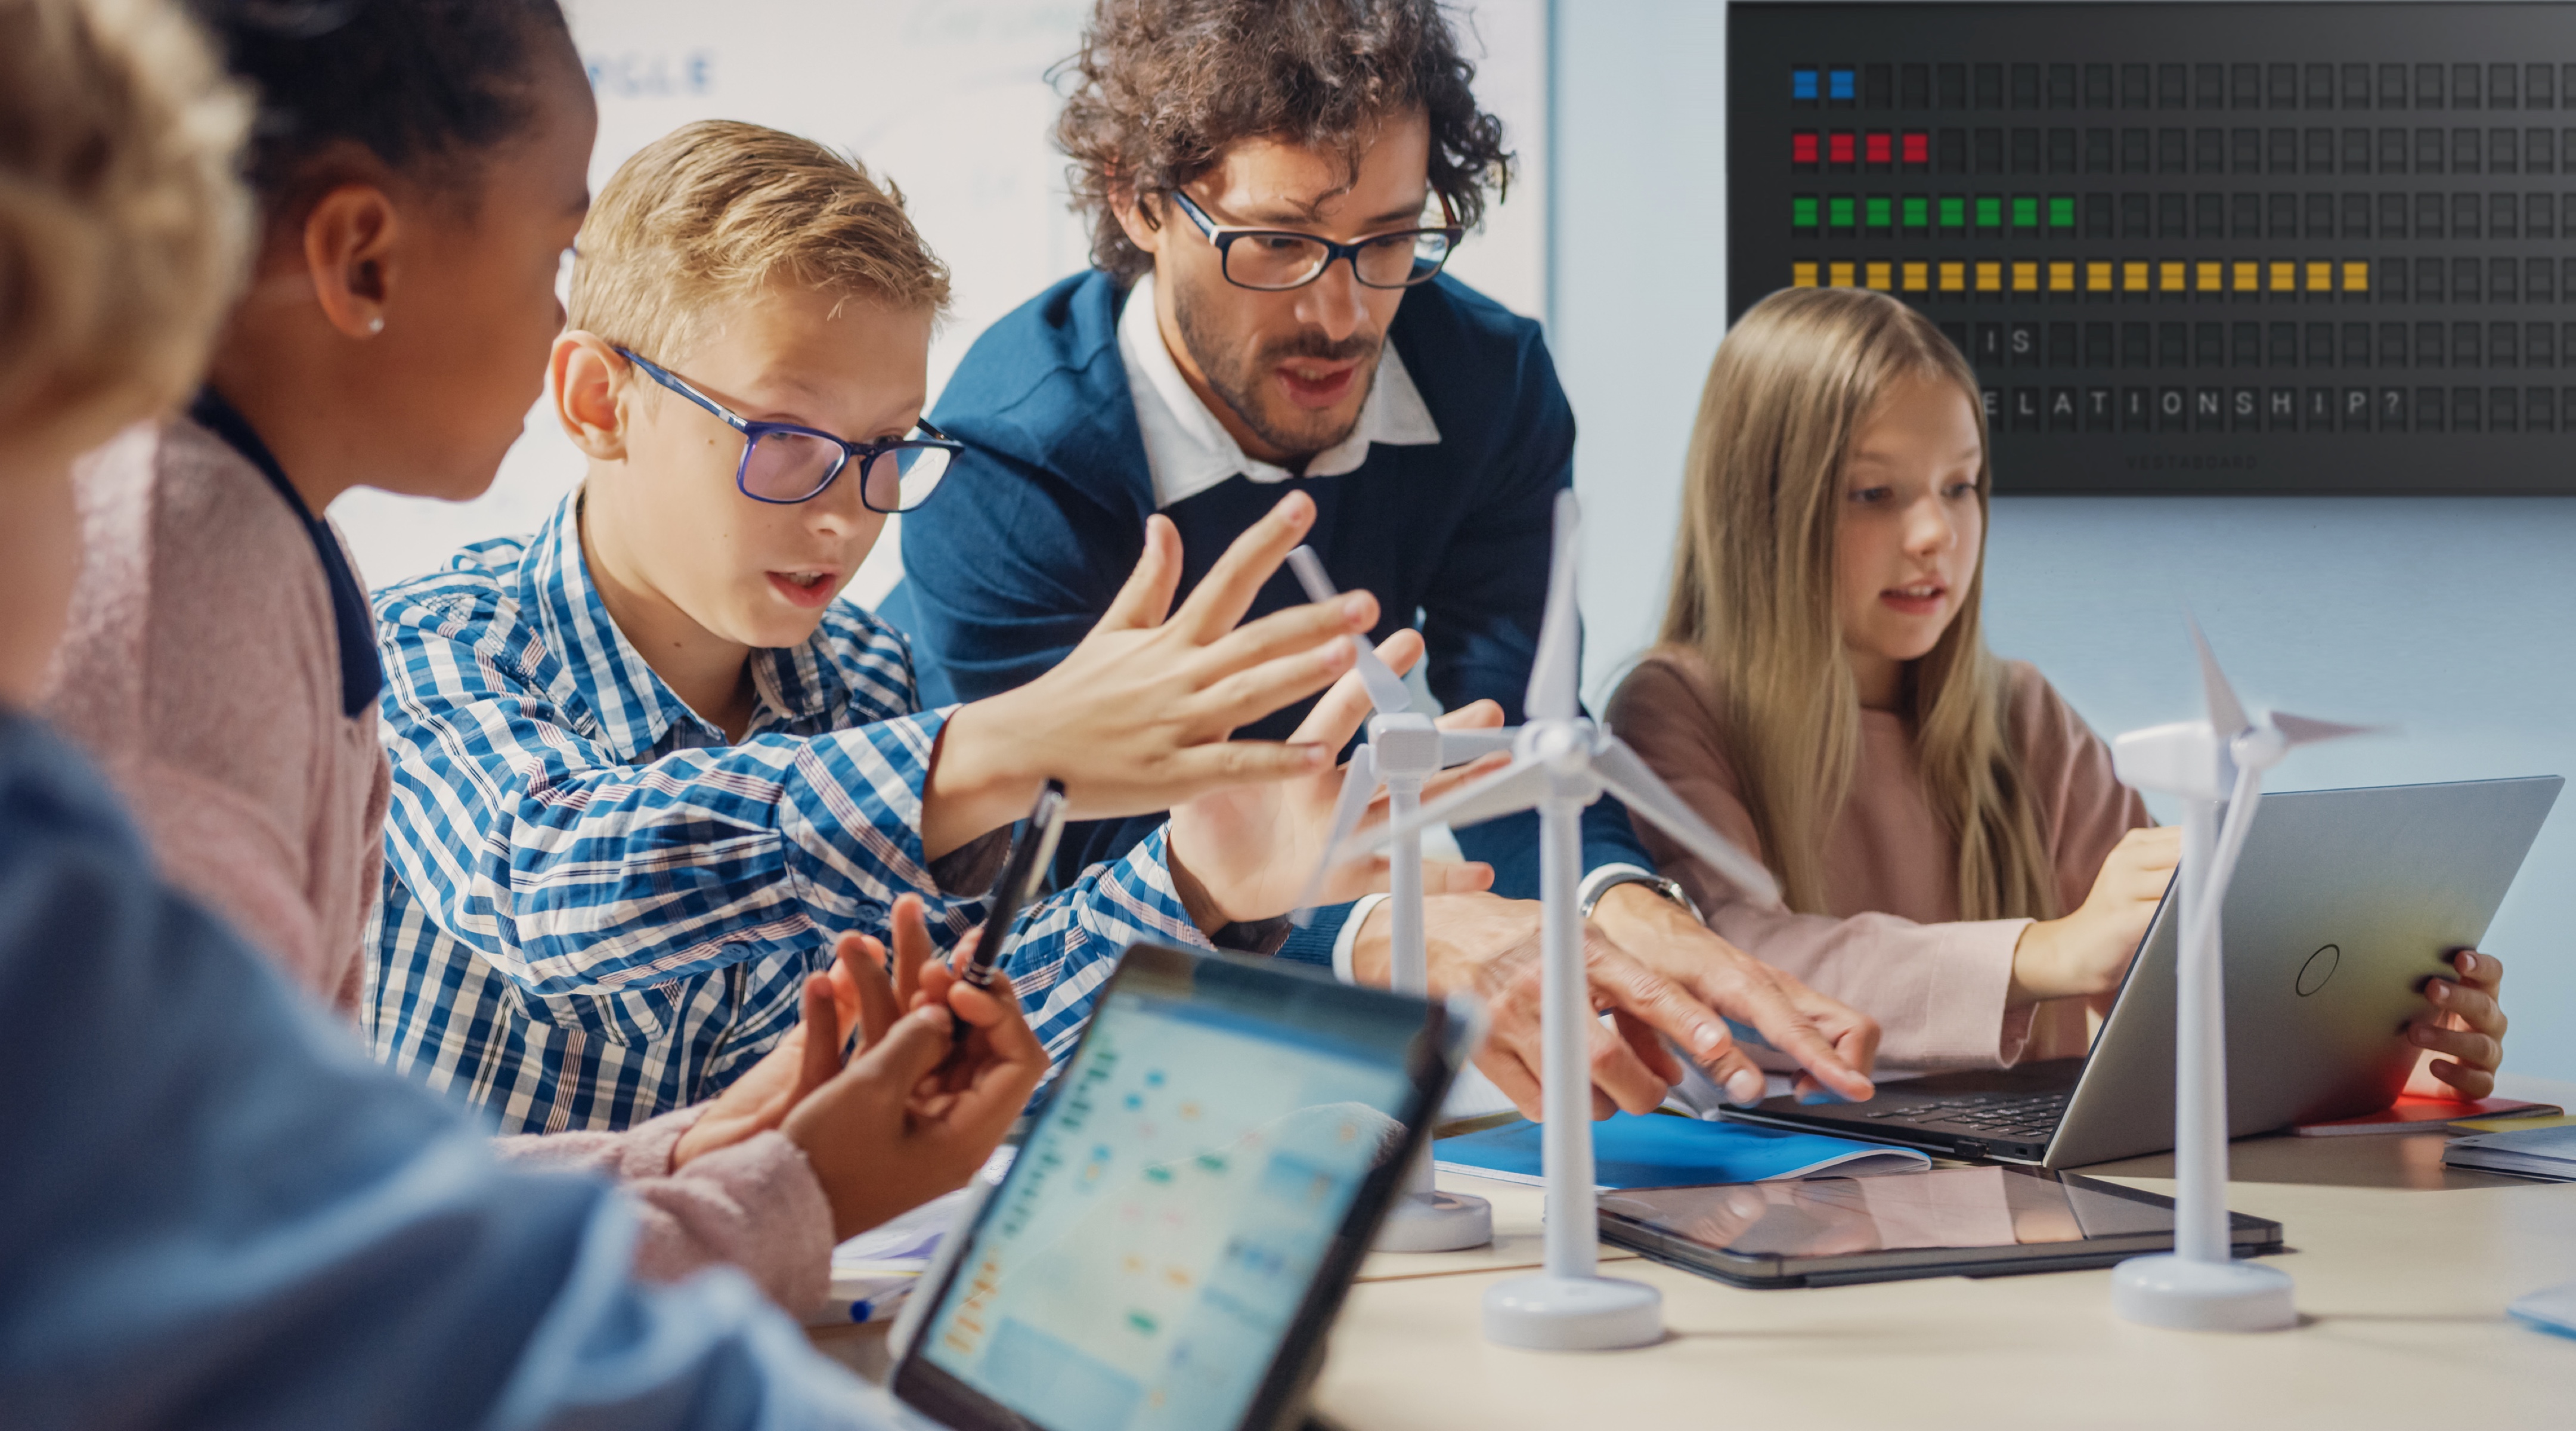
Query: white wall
{"points": [[2455, 619], [950, 99]]}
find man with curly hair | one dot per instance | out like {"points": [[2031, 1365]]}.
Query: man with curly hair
{"points": [[1274, 187]]}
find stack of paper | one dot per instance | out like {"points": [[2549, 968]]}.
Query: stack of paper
{"points": [[1658, 1150], [2532, 1152]]}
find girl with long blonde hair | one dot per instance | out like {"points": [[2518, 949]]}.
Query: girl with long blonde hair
{"points": [[1957, 858]]}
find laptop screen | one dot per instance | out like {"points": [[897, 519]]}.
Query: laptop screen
{"points": [[1151, 1246]]}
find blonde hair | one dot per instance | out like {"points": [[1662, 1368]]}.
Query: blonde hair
{"points": [[124, 228], [1753, 596], [716, 210]]}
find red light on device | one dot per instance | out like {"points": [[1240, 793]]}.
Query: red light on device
{"points": [[1838, 146], [1881, 147], [1802, 147], [1918, 148]]}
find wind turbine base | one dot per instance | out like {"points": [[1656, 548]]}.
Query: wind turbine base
{"points": [[1435, 1222], [1544, 1313], [2186, 1294]]}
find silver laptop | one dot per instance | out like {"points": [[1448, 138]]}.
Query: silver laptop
{"points": [[1172, 1241], [2344, 904]]}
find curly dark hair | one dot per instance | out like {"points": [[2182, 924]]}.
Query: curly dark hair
{"points": [[1165, 85]]}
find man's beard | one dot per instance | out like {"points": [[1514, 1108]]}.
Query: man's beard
{"points": [[1240, 385]]}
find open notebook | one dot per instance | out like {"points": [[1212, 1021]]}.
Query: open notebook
{"points": [[1658, 1150]]}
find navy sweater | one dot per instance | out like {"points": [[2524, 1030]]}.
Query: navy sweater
{"points": [[1044, 517]]}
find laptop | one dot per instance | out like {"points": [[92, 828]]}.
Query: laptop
{"points": [[2344, 903], [1170, 1245]]}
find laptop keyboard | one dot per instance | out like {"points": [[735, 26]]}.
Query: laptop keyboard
{"points": [[2031, 1118]]}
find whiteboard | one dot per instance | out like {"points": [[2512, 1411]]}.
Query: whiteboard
{"points": [[950, 100]]}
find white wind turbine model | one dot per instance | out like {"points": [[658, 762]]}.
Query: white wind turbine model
{"points": [[1563, 762], [2208, 765], [1404, 748]]}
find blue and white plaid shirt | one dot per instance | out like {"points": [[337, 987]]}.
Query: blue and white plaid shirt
{"points": [[596, 909]]}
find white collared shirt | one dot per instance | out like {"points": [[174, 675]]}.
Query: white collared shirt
{"points": [[1188, 450]]}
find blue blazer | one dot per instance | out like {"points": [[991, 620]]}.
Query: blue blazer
{"points": [[1035, 530]]}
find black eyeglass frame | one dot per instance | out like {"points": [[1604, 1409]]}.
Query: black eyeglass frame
{"points": [[1224, 237], [863, 452]]}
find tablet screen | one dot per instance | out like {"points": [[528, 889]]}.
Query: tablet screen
{"points": [[1158, 1233], [1840, 1217]]}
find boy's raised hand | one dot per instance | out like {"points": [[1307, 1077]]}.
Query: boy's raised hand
{"points": [[1136, 719], [1249, 850]]}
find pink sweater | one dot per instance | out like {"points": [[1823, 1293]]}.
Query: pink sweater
{"points": [[201, 669], [1892, 944]]}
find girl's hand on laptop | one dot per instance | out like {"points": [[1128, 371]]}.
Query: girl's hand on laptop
{"points": [[1137, 717], [2088, 952], [2464, 1019], [1247, 852]]}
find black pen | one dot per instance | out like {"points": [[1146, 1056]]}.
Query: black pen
{"points": [[1030, 856]]}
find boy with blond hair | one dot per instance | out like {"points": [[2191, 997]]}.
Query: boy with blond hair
{"points": [[644, 757]]}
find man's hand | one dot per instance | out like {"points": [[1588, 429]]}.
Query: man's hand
{"points": [[1834, 1044], [1490, 946], [1138, 716], [1248, 851]]}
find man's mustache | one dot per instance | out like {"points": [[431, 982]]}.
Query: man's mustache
{"points": [[1317, 347]]}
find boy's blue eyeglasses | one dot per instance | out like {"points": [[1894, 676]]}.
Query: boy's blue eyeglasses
{"points": [[786, 464]]}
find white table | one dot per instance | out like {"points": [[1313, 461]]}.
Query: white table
{"points": [[2404, 1268]]}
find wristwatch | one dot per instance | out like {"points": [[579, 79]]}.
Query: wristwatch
{"points": [[1610, 877]]}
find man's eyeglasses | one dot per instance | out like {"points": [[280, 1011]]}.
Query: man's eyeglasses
{"points": [[786, 464], [1276, 259]]}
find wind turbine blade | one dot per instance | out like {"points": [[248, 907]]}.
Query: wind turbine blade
{"points": [[2226, 713], [1357, 787], [1555, 673], [1516, 787], [1386, 688], [1311, 575], [1457, 747], [2306, 730], [1647, 796]]}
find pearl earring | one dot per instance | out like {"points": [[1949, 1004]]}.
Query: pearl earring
{"points": [[375, 325]]}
